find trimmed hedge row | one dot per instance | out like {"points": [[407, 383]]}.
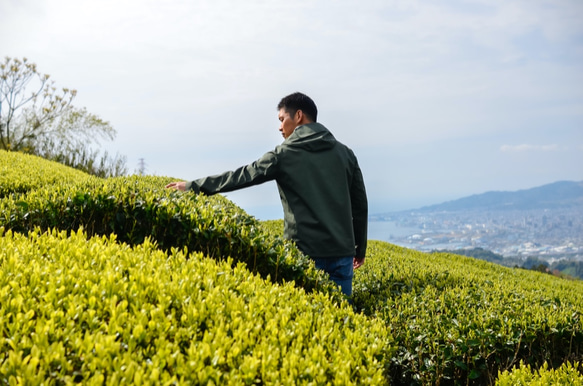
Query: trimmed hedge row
{"points": [[135, 208], [20, 173], [93, 311], [460, 320], [567, 374], [455, 320]]}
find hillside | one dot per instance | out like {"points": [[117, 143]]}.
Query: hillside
{"points": [[562, 194], [544, 222], [122, 281]]}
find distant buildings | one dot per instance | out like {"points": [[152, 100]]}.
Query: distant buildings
{"points": [[547, 234]]}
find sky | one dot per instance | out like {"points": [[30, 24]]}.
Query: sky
{"points": [[438, 99]]}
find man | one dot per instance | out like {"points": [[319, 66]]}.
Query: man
{"points": [[320, 185]]}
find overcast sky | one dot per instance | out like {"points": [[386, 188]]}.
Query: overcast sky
{"points": [[438, 99]]}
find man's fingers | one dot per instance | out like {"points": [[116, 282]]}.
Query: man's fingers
{"points": [[357, 263], [175, 185]]}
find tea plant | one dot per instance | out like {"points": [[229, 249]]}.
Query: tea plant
{"points": [[567, 374], [135, 208], [457, 319], [79, 310], [117, 291], [21, 173]]}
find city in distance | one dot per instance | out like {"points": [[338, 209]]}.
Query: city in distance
{"points": [[544, 222]]}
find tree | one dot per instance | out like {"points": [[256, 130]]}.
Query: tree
{"points": [[37, 118]]}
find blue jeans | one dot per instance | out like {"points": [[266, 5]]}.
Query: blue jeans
{"points": [[340, 271]]}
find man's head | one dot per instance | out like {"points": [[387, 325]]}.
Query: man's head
{"points": [[295, 110]]}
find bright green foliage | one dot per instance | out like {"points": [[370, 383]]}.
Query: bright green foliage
{"points": [[136, 208], [567, 375], [139, 305], [95, 311], [21, 172], [274, 227], [456, 318]]}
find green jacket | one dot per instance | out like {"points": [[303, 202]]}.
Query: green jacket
{"points": [[321, 189]]}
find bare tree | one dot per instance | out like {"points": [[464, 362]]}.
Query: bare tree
{"points": [[37, 118]]}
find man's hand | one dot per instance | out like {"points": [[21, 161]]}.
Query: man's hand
{"points": [[357, 262], [178, 185]]}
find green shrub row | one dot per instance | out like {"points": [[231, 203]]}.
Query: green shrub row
{"points": [[458, 320], [20, 173], [454, 320], [567, 374], [94, 311], [135, 208], [391, 272]]}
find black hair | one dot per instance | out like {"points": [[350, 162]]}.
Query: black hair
{"points": [[298, 101]]}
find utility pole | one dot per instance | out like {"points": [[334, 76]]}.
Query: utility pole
{"points": [[141, 167]]}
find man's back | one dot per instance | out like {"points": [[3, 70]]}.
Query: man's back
{"points": [[322, 191]]}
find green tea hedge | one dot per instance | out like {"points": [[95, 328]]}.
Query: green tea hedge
{"points": [[21, 173], [567, 374], [135, 208], [130, 298], [460, 320], [79, 310]]}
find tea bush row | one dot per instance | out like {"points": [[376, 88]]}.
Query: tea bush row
{"points": [[567, 374], [94, 311], [20, 173], [457, 319], [135, 208]]}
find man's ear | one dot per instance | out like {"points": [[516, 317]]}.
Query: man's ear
{"points": [[300, 117]]}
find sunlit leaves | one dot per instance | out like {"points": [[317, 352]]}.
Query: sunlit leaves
{"points": [[136, 208], [123, 294], [73, 310], [456, 318], [20, 173], [567, 374]]}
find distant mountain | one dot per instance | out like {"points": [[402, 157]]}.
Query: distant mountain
{"points": [[562, 194]]}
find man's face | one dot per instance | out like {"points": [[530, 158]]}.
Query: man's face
{"points": [[288, 123]]}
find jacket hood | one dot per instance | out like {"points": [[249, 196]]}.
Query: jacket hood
{"points": [[312, 137]]}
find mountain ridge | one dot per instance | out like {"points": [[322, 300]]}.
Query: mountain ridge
{"points": [[560, 194]]}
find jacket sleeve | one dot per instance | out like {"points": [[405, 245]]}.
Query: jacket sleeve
{"points": [[258, 172], [359, 205]]}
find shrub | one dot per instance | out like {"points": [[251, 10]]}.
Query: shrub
{"points": [[20, 173], [135, 208], [74, 310], [460, 320], [567, 374]]}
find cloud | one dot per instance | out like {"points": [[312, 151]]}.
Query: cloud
{"points": [[526, 147], [191, 86]]}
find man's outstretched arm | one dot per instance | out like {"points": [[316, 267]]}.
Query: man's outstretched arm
{"points": [[262, 170]]}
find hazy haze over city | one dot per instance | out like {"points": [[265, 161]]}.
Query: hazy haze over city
{"points": [[439, 100]]}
